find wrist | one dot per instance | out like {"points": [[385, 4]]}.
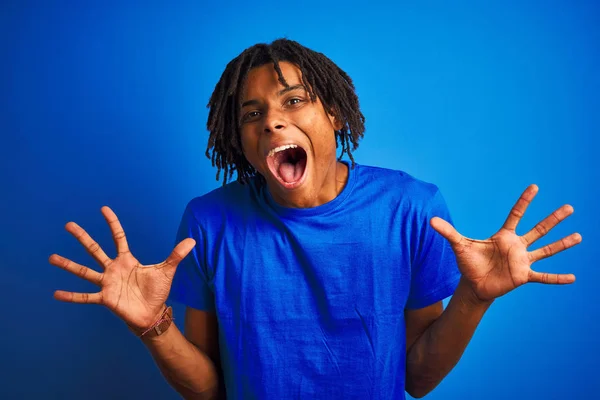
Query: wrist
{"points": [[468, 295], [161, 322]]}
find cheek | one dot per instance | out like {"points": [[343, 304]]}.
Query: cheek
{"points": [[326, 133], [315, 125], [249, 147], [245, 142]]}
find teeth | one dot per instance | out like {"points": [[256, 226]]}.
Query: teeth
{"points": [[281, 148]]}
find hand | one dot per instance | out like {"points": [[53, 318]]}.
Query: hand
{"points": [[495, 266], [134, 292]]}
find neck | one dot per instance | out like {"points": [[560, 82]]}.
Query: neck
{"points": [[334, 182]]}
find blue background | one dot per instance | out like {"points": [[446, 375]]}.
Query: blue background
{"points": [[105, 104]]}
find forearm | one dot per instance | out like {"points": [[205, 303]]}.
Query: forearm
{"points": [[191, 372], [438, 349]]}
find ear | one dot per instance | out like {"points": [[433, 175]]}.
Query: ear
{"points": [[337, 125]]}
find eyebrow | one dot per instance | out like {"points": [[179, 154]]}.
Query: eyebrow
{"points": [[280, 93]]}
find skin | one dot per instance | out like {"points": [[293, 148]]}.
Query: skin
{"points": [[436, 338]]}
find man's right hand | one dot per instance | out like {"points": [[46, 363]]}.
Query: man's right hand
{"points": [[134, 292]]}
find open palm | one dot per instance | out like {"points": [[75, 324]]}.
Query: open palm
{"points": [[134, 292], [502, 263]]}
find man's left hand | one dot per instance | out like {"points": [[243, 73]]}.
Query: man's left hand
{"points": [[495, 266]]}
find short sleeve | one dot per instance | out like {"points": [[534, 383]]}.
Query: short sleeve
{"points": [[190, 283], [434, 273]]}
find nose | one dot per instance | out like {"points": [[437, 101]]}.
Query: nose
{"points": [[274, 122]]}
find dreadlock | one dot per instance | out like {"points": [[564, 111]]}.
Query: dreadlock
{"points": [[321, 77]]}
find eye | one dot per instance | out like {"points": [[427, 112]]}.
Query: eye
{"points": [[250, 115], [294, 101]]}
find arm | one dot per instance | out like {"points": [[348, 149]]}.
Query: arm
{"points": [[189, 363], [136, 294], [490, 268], [437, 338]]}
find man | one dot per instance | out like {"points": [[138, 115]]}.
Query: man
{"points": [[310, 277]]}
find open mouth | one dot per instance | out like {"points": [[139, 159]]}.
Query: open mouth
{"points": [[288, 164]]}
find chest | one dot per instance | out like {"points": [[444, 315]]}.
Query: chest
{"points": [[277, 271]]}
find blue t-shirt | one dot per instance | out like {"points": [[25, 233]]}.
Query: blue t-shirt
{"points": [[310, 302]]}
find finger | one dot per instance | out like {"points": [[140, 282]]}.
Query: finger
{"points": [[81, 298], [90, 245], [518, 210], [551, 279], [554, 248], [118, 233], [179, 253], [548, 223], [80, 270], [446, 230]]}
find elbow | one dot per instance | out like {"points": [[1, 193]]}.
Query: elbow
{"points": [[417, 393], [419, 387]]}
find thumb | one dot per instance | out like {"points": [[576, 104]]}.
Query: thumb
{"points": [[179, 253], [444, 228]]}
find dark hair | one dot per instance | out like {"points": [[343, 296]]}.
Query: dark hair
{"points": [[321, 77]]}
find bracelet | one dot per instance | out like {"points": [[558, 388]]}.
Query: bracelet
{"points": [[160, 326]]}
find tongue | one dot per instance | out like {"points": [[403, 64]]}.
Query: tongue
{"points": [[290, 172]]}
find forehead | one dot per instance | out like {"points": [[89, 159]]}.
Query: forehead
{"points": [[263, 80]]}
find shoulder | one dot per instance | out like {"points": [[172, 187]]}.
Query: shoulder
{"points": [[397, 183], [231, 198], [220, 196]]}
